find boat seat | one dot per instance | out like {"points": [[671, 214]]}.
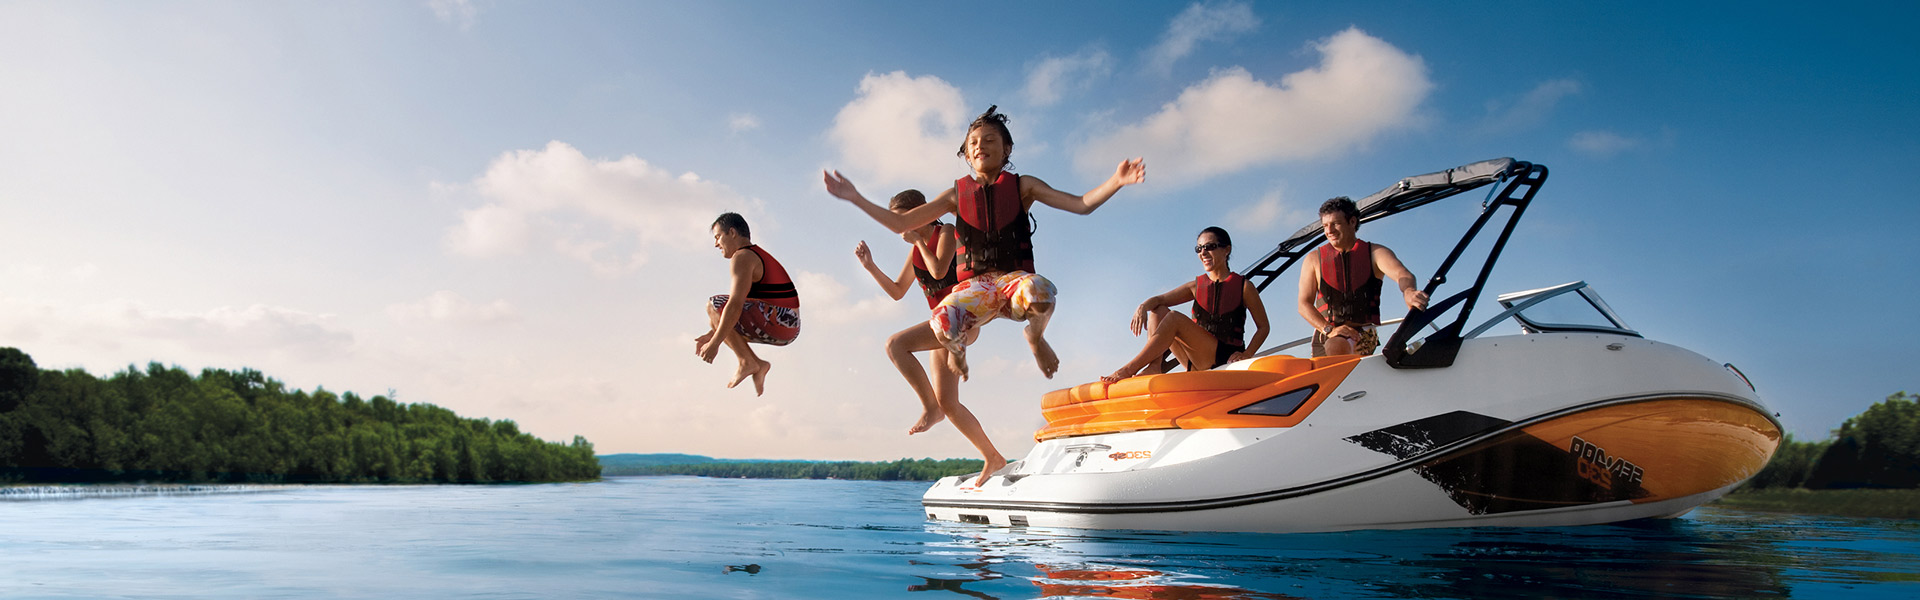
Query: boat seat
{"points": [[1162, 383]]}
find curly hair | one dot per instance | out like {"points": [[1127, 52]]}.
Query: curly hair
{"points": [[1342, 205]]}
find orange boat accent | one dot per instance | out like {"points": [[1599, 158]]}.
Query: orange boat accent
{"points": [[1194, 400], [1670, 447]]}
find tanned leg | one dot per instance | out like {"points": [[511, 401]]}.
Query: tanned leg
{"points": [[969, 426], [750, 364], [1176, 332], [1037, 318], [900, 349], [1339, 345]]}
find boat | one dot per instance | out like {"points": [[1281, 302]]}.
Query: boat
{"points": [[1576, 419]]}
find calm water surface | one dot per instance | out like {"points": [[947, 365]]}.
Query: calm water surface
{"points": [[673, 537]]}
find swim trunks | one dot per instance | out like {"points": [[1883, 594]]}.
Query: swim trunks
{"points": [[1369, 340], [763, 323], [976, 301]]}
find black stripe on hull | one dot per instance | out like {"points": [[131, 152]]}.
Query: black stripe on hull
{"points": [[1446, 463]]}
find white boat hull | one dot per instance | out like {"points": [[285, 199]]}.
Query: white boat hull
{"points": [[1526, 430]]}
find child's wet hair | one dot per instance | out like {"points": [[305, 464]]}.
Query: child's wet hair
{"points": [[907, 200], [999, 123]]}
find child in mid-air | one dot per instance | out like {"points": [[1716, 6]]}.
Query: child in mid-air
{"points": [[930, 261], [995, 253]]}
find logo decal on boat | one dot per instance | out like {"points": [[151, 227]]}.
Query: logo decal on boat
{"points": [[1131, 455], [1594, 464]]}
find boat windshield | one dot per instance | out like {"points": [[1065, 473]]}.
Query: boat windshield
{"points": [[1572, 306]]}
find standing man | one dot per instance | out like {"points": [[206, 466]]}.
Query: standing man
{"points": [[762, 307], [1340, 292]]}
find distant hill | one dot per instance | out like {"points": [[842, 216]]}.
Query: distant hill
{"points": [[691, 464], [610, 461]]}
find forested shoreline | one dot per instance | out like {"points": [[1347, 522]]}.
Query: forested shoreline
{"points": [[163, 424], [1876, 449]]}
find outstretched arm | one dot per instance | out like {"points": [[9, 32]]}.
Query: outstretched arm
{"points": [[842, 188], [1128, 173], [896, 287], [1389, 266], [1173, 297]]}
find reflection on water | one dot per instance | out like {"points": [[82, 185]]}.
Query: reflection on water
{"points": [[847, 540], [1711, 554]]}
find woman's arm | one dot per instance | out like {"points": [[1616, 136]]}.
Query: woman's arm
{"points": [[1174, 297]]}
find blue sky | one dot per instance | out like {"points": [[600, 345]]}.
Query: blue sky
{"points": [[500, 207]]}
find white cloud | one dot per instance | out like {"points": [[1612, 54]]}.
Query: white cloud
{"points": [[234, 331], [448, 307], [1052, 77], [826, 300], [1531, 109], [1362, 87], [1601, 143], [740, 122], [1263, 214], [459, 13], [901, 130], [1199, 23], [557, 195]]}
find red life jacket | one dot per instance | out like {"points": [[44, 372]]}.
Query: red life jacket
{"points": [[1220, 308], [992, 231], [1349, 290], [774, 286], [936, 288]]}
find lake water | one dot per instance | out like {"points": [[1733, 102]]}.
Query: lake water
{"points": [[682, 537]]}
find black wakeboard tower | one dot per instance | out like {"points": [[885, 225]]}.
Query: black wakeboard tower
{"points": [[1522, 180]]}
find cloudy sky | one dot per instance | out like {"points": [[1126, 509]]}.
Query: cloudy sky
{"points": [[501, 207]]}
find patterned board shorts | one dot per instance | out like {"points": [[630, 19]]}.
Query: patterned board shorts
{"points": [[1369, 341], [763, 323], [976, 301]]}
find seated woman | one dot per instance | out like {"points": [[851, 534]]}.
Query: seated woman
{"points": [[1214, 336]]}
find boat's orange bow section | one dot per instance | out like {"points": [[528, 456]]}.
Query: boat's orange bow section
{"points": [[1197, 400]]}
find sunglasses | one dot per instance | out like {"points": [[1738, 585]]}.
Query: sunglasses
{"points": [[1209, 246]]}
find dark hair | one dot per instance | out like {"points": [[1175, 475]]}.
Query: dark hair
{"points": [[998, 121], [734, 222], [1218, 234], [907, 200], [1342, 205]]}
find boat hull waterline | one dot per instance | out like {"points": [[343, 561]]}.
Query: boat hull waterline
{"points": [[1524, 430]]}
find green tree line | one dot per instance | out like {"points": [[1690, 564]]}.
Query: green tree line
{"points": [[925, 469], [165, 424], [1878, 448]]}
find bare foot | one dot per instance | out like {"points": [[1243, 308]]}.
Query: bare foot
{"points": [[757, 370], [1043, 352], [927, 421], [760, 378], [994, 463]]}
